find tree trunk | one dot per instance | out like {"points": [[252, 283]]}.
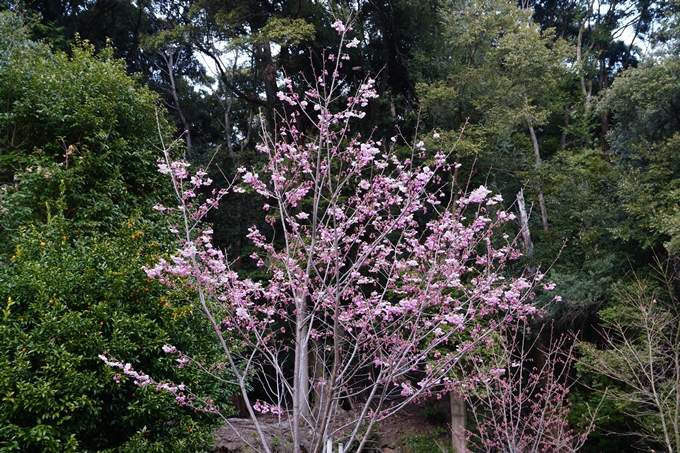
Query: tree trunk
{"points": [[586, 87], [227, 125], [386, 28], [458, 422], [537, 163], [269, 75], [605, 143], [604, 125], [316, 369], [300, 377], [525, 233], [303, 377]]}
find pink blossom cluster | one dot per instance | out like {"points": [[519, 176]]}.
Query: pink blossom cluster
{"points": [[183, 396], [264, 408], [140, 379], [186, 187]]}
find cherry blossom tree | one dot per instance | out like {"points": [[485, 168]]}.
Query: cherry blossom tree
{"points": [[382, 279], [519, 405]]}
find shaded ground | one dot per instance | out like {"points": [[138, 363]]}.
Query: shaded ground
{"points": [[398, 434]]}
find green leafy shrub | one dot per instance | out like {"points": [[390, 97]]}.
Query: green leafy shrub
{"points": [[69, 299], [78, 178], [79, 118]]}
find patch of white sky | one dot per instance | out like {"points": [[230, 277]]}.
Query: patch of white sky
{"points": [[626, 32], [228, 59]]}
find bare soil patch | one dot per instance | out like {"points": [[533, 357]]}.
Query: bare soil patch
{"points": [[391, 435]]}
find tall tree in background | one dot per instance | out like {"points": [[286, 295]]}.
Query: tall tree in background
{"points": [[644, 103], [597, 30], [498, 73]]}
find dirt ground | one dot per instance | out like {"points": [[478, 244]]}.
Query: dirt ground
{"points": [[391, 435], [412, 421]]}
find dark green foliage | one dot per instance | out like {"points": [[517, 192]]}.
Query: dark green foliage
{"points": [[102, 22], [434, 413], [80, 118], [436, 442], [78, 149], [67, 300], [616, 431], [645, 103]]}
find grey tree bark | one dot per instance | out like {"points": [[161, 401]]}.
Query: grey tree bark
{"points": [[524, 232], [458, 422], [537, 165]]}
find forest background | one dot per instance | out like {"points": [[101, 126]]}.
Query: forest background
{"points": [[552, 102]]}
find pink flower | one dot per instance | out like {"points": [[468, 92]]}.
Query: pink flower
{"points": [[338, 26], [352, 44], [168, 349], [479, 194]]}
